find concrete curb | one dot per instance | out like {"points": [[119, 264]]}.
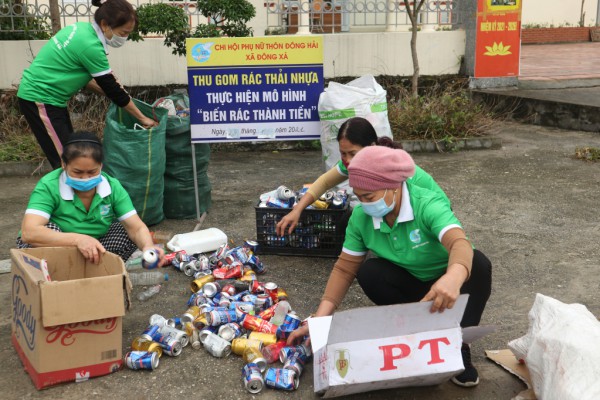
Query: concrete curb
{"points": [[29, 168]]}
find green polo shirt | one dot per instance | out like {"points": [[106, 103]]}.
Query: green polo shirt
{"points": [[420, 178], [414, 242], [52, 198], [66, 63]]}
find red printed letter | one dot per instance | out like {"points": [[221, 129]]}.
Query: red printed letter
{"points": [[434, 348], [389, 357]]}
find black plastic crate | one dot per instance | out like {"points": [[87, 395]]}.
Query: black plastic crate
{"points": [[319, 233]]}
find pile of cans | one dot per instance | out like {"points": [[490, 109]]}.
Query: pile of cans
{"points": [[229, 311], [284, 197]]}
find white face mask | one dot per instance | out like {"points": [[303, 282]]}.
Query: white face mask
{"points": [[116, 41]]}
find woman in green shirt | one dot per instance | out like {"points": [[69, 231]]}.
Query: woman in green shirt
{"points": [[354, 135], [419, 249], [79, 205], [72, 59]]}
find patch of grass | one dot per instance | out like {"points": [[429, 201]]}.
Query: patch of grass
{"points": [[441, 113], [587, 153]]}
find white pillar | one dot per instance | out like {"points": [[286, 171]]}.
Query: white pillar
{"points": [[391, 16], [304, 18]]}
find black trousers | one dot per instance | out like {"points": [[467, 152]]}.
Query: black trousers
{"points": [[387, 283], [51, 126]]}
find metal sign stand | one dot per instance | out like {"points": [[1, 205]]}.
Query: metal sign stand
{"points": [[199, 217]]}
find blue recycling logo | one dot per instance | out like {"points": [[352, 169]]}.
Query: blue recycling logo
{"points": [[201, 52], [415, 236]]}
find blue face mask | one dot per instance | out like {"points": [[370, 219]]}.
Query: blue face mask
{"points": [[379, 208], [83, 185]]}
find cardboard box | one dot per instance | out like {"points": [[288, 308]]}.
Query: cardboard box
{"points": [[68, 329], [386, 347]]}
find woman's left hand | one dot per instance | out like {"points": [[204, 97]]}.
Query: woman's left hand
{"points": [[445, 291]]}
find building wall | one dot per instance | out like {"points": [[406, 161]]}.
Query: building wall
{"points": [[558, 12], [150, 63]]}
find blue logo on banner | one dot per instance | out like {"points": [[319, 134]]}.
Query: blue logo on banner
{"points": [[201, 52]]}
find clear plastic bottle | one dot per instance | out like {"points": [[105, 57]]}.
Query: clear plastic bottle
{"points": [[146, 294], [148, 278], [282, 309], [133, 264]]}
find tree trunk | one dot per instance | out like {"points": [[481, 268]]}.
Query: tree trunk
{"points": [[413, 15], [54, 16]]}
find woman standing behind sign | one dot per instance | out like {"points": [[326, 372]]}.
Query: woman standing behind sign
{"points": [[420, 250], [72, 59]]}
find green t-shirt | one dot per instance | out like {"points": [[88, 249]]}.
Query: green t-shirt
{"points": [[414, 242], [65, 64], [54, 199], [420, 178]]}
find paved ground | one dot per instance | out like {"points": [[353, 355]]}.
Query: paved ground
{"points": [[530, 206], [560, 61]]}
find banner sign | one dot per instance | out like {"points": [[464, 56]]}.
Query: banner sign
{"points": [[498, 43], [255, 89]]}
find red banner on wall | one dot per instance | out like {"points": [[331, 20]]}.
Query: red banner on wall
{"points": [[498, 42]]}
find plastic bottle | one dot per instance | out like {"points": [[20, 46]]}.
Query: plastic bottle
{"points": [[146, 294], [148, 278], [133, 264], [282, 309]]}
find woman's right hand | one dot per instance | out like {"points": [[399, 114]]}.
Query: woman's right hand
{"points": [[90, 248], [297, 336], [147, 122], [290, 220]]}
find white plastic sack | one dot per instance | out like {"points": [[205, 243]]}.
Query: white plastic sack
{"points": [[561, 350], [362, 97]]}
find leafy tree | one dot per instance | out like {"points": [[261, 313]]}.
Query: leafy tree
{"points": [[226, 18]]}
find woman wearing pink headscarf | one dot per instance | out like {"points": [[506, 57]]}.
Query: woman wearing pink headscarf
{"points": [[420, 250]]}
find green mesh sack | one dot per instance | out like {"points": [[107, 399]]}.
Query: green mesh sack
{"points": [[179, 197], [136, 157]]}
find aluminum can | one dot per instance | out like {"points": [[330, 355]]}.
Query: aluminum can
{"points": [[296, 362], [150, 259], [291, 321], [149, 332], [250, 298], [183, 257], [264, 300], [268, 313], [230, 331], [254, 355], [246, 307], [271, 290], [141, 360], [239, 345], [172, 256], [141, 344], [257, 287], [256, 265], [189, 268], [225, 301], [216, 318], [256, 324], [203, 333], [271, 352], [252, 378], [201, 273], [197, 284], [190, 315], [229, 289], [252, 245], [159, 320], [178, 334], [283, 379], [232, 272], [248, 275], [170, 345], [210, 289], [198, 299], [265, 338], [203, 263], [240, 296], [200, 322], [216, 345], [287, 351]]}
